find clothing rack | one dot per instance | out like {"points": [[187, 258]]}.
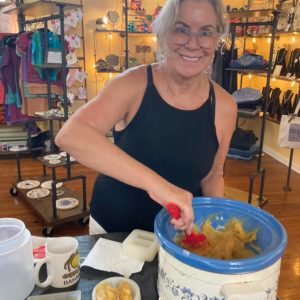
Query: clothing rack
{"points": [[47, 210], [274, 14]]}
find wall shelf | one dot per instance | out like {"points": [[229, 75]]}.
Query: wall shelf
{"points": [[269, 35], [123, 32], [247, 71], [251, 13], [256, 72]]}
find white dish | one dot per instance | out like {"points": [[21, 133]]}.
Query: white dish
{"points": [[48, 185], [64, 155], [38, 193], [115, 281], [18, 148], [28, 184], [66, 203], [52, 157], [54, 161]]}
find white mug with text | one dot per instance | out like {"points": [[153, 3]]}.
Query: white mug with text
{"points": [[62, 260]]}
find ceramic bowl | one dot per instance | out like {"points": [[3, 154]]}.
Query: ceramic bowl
{"points": [[115, 281]]}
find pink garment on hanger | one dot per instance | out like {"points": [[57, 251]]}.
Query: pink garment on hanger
{"points": [[2, 93]]}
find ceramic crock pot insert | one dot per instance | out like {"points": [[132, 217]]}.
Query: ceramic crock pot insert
{"points": [[181, 271]]}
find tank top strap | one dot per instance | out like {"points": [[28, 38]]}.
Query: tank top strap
{"points": [[149, 74], [212, 99]]}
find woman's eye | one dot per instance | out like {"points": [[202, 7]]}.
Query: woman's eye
{"points": [[181, 30], [206, 33]]}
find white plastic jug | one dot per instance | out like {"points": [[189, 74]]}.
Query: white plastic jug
{"points": [[16, 260]]}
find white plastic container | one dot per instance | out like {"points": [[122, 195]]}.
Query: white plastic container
{"points": [[16, 260], [140, 244]]}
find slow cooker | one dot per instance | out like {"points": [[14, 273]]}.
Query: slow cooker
{"points": [[184, 275]]}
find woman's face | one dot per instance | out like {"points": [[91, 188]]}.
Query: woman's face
{"points": [[192, 41]]}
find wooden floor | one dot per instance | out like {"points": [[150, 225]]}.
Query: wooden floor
{"points": [[285, 206]]}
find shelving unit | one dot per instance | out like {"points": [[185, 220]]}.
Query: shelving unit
{"points": [[122, 35], [125, 35], [292, 80], [272, 23], [42, 12]]}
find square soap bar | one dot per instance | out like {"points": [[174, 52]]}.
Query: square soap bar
{"points": [[140, 244]]}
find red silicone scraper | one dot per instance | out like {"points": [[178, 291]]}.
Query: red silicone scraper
{"points": [[192, 240]]}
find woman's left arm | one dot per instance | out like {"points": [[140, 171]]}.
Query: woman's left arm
{"points": [[225, 122]]}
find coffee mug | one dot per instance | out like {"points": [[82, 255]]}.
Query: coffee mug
{"points": [[62, 260]]}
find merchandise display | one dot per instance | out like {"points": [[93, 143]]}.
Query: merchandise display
{"points": [[274, 42], [52, 157], [48, 185], [128, 29], [44, 52], [54, 161], [28, 184], [38, 193], [66, 203]]}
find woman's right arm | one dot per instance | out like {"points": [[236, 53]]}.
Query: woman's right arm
{"points": [[83, 136]]}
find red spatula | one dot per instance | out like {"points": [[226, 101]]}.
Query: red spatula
{"points": [[192, 240]]}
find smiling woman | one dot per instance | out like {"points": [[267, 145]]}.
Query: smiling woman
{"points": [[169, 21], [172, 126]]}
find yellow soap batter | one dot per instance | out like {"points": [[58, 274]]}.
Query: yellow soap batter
{"points": [[225, 243]]}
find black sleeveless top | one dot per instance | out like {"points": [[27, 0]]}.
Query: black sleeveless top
{"points": [[180, 145]]}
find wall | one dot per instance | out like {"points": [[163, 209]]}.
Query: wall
{"points": [[8, 23]]}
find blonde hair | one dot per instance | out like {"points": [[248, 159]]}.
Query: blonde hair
{"points": [[168, 16]]}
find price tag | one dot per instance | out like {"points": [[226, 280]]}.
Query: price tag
{"points": [[54, 57]]}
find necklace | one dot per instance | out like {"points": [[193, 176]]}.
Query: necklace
{"points": [[296, 57], [279, 58], [287, 99]]}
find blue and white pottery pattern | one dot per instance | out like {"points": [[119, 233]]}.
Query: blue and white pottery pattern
{"points": [[179, 281], [181, 292]]}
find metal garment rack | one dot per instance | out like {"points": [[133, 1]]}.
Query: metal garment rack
{"points": [[274, 14], [46, 210]]}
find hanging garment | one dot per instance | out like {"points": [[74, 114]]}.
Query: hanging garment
{"points": [[39, 51]]}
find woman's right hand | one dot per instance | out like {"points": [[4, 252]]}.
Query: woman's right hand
{"points": [[165, 192]]}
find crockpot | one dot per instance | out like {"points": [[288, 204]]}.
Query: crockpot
{"points": [[184, 275]]}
